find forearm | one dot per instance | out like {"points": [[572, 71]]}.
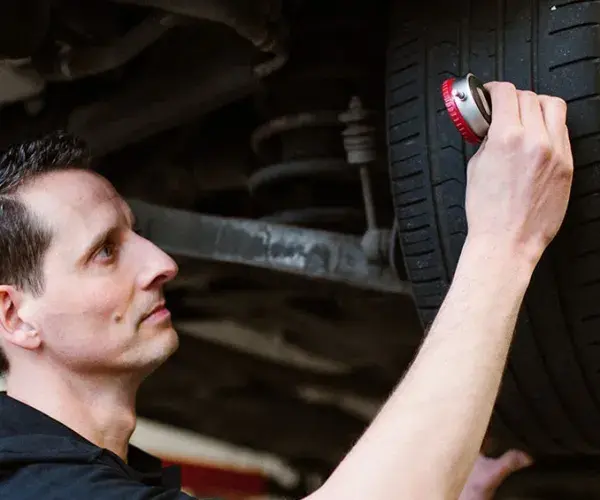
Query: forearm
{"points": [[426, 438]]}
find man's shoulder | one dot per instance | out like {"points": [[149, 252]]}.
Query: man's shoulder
{"points": [[67, 480]]}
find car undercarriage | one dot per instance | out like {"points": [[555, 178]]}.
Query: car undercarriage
{"points": [[274, 148]]}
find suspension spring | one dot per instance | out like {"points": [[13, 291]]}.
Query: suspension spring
{"points": [[308, 181]]}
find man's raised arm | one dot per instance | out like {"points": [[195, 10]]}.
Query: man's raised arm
{"points": [[426, 438]]}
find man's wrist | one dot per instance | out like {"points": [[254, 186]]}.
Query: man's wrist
{"points": [[491, 258]]}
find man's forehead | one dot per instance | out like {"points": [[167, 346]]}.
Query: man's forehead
{"points": [[76, 198]]}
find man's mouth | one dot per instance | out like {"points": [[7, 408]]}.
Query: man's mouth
{"points": [[158, 314]]}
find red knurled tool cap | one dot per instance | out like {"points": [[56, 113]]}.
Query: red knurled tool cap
{"points": [[457, 118]]}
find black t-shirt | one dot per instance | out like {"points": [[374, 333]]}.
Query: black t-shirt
{"points": [[40, 458]]}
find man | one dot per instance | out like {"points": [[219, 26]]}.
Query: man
{"points": [[83, 322]]}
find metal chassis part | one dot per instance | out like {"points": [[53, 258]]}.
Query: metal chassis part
{"points": [[315, 254]]}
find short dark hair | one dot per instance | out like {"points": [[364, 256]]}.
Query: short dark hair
{"points": [[24, 239]]}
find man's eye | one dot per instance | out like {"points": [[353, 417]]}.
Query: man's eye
{"points": [[107, 252]]}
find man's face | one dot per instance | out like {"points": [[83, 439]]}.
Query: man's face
{"points": [[102, 280]]}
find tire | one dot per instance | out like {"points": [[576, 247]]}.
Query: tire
{"points": [[549, 402]]}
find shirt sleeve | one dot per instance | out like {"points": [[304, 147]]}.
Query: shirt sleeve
{"points": [[86, 481]]}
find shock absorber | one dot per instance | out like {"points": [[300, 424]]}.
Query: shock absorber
{"points": [[359, 139], [359, 143]]}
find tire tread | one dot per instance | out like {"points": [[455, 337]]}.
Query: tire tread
{"points": [[550, 396]]}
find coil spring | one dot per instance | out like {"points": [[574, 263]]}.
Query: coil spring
{"points": [[310, 183]]}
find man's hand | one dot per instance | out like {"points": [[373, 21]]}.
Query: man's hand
{"points": [[489, 473], [519, 180]]}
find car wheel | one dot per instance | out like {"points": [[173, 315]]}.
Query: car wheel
{"points": [[549, 403]]}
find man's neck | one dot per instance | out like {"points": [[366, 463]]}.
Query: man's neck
{"points": [[101, 409]]}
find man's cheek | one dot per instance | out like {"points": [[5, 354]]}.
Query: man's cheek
{"points": [[87, 305]]}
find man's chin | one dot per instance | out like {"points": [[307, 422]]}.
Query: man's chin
{"points": [[171, 343], [166, 344], [174, 340]]}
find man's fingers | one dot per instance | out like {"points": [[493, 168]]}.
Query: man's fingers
{"points": [[505, 104], [514, 460], [555, 116], [532, 116], [502, 467]]}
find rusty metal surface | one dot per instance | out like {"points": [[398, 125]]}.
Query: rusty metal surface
{"points": [[316, 254]]}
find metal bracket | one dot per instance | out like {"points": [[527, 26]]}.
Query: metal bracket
{"points": [[312, 253]]}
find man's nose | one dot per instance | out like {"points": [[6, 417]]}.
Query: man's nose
{"points": [[158, 268]]}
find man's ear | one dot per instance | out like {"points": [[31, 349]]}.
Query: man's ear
{"points": [[13, 328]]}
